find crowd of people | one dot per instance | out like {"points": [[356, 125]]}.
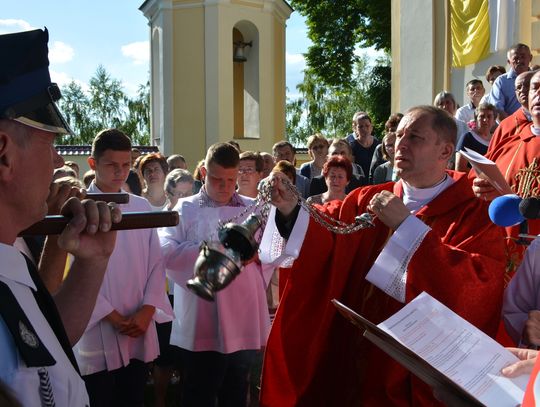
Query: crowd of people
{"points": [[88, 316]]}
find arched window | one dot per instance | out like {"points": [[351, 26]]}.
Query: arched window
{"points": [[246, 80]]}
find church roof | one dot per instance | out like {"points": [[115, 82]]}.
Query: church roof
{"points": [[86, 149]]}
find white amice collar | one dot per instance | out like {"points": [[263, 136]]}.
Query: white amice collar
{"points": [[535, 130], [415, 198]]}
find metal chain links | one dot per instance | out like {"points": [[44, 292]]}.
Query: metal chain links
{"points": [[264, 198]]}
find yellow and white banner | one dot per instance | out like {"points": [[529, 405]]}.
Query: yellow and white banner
{"points": [[480, 27]]}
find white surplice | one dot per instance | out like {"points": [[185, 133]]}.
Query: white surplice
{"points": [[135, 277], [238, 319]]}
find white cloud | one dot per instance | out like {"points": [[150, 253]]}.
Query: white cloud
{"points": [[295, 65], [131, 89], [371, 53], [60, 52], [13, 25], [63, 79], [138, 52], [295, 59], [293, 95]]}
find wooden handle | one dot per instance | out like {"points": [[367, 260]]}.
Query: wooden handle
{"points": [[55, 224], [117, 197]]}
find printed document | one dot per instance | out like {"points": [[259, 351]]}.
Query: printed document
{"points": [[458, 349]]}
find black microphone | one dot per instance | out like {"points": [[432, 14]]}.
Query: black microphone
{"points": [[530, 208]]}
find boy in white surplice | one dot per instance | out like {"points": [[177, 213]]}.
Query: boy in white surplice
{"points": [[121, 336]]}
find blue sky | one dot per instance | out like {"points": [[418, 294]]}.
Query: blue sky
{"points": [[114, 33]]}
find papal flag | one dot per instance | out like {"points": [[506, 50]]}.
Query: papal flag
{"points": [[480, 27]]}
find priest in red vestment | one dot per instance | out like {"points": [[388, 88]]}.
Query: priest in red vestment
{"points": [[431, 234], [518, 159], [516, 122]]}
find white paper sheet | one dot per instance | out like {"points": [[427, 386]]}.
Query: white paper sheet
{"points": [[458, 349], [487, 169]]}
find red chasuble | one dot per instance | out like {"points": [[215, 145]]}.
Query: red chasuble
{"points": [[518, 158], [315, 357], [509, 127]]}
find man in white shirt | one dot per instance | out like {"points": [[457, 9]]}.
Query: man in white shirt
{"points": [[121, 336], [475, 91], [37, 362], [502, 93]]}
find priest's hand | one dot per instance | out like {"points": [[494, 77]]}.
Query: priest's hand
{"points": [[389, 208], [283, 198], [483, 189], [527, 359], [531, 330]]}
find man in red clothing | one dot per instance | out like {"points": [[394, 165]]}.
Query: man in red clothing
{"points": [[514, 147], [431, 234], [518, 159], [517, 121]]}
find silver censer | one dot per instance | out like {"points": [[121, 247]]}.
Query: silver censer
{"points": [[220, 262]]}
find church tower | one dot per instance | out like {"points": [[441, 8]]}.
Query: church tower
{"points": [[217, 74]]}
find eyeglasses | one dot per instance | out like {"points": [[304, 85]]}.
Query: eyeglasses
{"points": [[182, 194], [247, 170]]}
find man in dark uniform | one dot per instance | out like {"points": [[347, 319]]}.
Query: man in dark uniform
{"points": [[36, 330]]}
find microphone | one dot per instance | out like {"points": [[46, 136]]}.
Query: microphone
{"points": [[505, 210], [530, 208]]}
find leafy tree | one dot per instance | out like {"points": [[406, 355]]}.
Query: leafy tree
{"points": [[378, 94], [137, 122], [105, 105], [329, 109], [337, 28], [338, 82], [76, 108], [106, 98]]}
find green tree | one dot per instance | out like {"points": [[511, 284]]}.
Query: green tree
{"points": [[337, 28], [76, 108], [337, 81], [106, 99], [329, 109], [137, 122], [105, 105]]}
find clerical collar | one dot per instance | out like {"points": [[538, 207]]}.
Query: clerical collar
{"points": [[415, 198], [535, 130], [206, 201]]}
